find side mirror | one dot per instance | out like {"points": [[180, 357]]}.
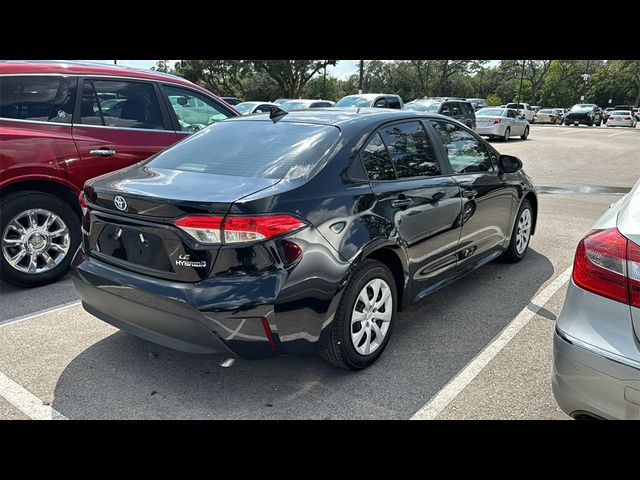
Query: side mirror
{"points": [[509, 164]]}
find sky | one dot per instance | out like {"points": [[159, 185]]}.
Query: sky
{"points": [[342, 70]]}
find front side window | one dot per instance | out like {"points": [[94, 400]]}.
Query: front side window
{"points": [[410, 150], [380, 103], [116, 103], [466, 153], [194, 111], [393, 102], [376, 160], [44, 98]]}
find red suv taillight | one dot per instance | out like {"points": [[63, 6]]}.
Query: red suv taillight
{"points": [[608, 264], [237, 228]]}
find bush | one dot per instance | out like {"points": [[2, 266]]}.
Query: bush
{"points": [[494, 100]]}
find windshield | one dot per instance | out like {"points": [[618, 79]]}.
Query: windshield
{"points": [[353, 102], [245, 107], [294, 105], [490, 112], [281, 150], [431, 107], [582, 108]]}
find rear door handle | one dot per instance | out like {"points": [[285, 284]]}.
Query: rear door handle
{"points": [[469, 193], [401, 202], [103, 152]]}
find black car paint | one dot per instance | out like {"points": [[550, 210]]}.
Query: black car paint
{"points": [[591, 117], [245, 282]]}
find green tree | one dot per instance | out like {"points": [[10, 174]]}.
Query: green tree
{"points": [[258, 86], [291, 75], [224, 77]]}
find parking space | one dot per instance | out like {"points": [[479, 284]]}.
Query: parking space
{"points": [[83, 368]]}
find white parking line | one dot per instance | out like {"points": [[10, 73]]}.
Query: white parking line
{"points": [[451, 390], [27, 402], [41, 312], [619, 133]]}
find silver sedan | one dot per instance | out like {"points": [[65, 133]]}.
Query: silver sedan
{"points": [[596, 349], [501, 122]]}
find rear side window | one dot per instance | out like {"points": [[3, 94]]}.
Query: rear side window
{"points": [[410, 150], [466, 153], [455, 109], [44, 98], [252, 149], [376, 160], [115, 103], [393, 102], [193, 111]]}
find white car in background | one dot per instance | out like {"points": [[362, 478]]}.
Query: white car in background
{"points": [[503, 123], [523, 109], [621, 118]]}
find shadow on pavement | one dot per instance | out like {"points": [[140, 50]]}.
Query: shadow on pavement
{"points": [[122, 376]]}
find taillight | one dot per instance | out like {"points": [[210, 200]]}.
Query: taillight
{"points": [[600, 264], [633, 273], [204, 228], [83, 203], [237, 228], [627, 118], [497, 120]]}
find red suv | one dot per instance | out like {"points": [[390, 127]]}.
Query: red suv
{"points": [[63, 123]]}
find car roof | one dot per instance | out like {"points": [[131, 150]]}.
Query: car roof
{"points": [[73, 67], [371, 95], [343, 117]]}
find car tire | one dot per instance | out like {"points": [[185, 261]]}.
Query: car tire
{"points": [[525, 134], [516, 250], [599, 123], [507, 134], [19, 207], [345, 348]]}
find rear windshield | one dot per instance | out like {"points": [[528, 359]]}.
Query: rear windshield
{"points": [[251, 149], [490, 112], [621, 112], [545, 111], [515, 105], [288, 106]]}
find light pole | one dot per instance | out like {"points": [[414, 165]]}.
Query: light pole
{"points": [[524, 63], [324, 81], [361, 75]]}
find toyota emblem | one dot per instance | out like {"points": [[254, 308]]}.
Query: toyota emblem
{"points": [[120, 203]]}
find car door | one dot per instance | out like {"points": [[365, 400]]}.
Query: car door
{"points": [[486, 199], [413, 190], [516, 123], [191, 111], [112, 138]]}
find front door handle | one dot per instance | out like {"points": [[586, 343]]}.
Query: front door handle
{"points": [[103, 152], [401, 202], [469, 193]]}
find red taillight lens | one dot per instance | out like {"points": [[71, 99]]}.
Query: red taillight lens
{"points": [[247, 229], [633, 273], [237, 228], [600, 264], [497, 120], [83, 203], [204, 228]]}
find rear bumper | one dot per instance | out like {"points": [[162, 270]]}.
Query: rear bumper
{"points": [[178, 315], [496, 130], [586, 379]]}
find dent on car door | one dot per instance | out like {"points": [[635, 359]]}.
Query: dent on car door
{"points": [[486, 199], [421, 200]]}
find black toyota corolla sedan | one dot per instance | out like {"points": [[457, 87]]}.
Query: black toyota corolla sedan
{"points": [[290, 233]]}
